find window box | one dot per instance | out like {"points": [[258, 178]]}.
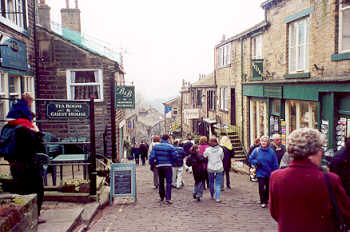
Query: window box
{"points": [[297, 75]]}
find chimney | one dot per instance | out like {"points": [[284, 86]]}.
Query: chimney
{"points": [[71, 17], [44, 14]]}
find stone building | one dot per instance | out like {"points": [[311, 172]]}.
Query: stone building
{"points": [[17, 49], [74, 68], [302, 75], [172, 117]]}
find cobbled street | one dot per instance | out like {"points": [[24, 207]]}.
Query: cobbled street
{"points": [[238, 211]]}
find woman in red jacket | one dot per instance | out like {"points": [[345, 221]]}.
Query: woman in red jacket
{"points": [[299, 196]]}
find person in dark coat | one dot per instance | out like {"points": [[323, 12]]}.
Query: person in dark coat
{"points": [[340, 164], [196, 161], [136, 152], [144, 151], [299, 195], [226, 145], [278, 147]]}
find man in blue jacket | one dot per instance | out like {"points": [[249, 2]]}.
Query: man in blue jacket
{"points": [[163, 155]]}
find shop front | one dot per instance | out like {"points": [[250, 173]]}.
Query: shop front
{"points": [[282, 108]]}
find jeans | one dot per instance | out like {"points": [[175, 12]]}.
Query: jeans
{"points": [[263, 189], [155, 177], [137, 159], [165, 173], [215, 177], [227, 174], [198, 189], [177, 176], [143, 159]]}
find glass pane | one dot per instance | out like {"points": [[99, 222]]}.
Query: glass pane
{"points": [[276, 106], [85, 77], [346, 30], [292, 115], [261, 118], [85, 92]]}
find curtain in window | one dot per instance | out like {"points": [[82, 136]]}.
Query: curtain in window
{"points": [[86, 91], [346, 28]]}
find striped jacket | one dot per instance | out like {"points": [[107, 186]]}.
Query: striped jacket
{"points": [[163, 154]]}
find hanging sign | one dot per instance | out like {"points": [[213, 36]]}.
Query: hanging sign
{"points": [[125, 97], [13, 54], [67, 110], [123, 181]]}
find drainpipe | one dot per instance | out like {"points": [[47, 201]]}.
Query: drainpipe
{"points": [[242, 123], [36, 58]]}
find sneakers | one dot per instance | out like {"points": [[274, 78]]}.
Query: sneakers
{"points": [[228, 186], [198, 199], [169, 202], [263, 205], [41, 220], [218, 201], [194, 196]]}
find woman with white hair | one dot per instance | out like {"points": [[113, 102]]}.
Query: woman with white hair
{"points": [[300, 196], [265, 161], [226, 146]]}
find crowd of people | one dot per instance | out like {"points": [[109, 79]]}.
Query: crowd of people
{"points": [[300, 194]]}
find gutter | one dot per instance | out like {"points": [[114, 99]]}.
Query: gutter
{"points": [[242, 121]]}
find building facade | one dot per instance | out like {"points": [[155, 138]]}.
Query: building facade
{"points": [[303, 74], [17, 64], [72, 69]]}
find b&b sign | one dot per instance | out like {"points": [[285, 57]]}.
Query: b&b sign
{"points": [[125, 97], [67, 110]]}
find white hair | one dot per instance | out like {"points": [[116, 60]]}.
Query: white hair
{"points": [[275, 136]]}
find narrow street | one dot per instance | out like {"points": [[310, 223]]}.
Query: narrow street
{"points": [[239, 210]]}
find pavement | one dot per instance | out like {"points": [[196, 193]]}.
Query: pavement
{"points": [[239, 210]]}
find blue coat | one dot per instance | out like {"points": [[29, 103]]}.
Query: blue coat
{"points": [[163, 154], [181, 154], [265, 161]]}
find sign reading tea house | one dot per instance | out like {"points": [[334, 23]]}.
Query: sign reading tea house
{"points": [[125, 97], [67, 110]]}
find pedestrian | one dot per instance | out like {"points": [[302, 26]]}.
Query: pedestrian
{"points": [[154, 169], [188, 143], [203, 145], [278, 147], [286, 159], [25, 141], [265, 161], [136, 152], [215, 167], [177, 168], [340, 164], [252, 169], [144, 150], [163, 156], [253, 146], [229, 153], [300, 199], [196, 161]]}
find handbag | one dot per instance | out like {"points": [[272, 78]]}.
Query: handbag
{"points": [[340, 226]]}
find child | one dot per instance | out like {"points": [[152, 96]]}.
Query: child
{"points": [[196, 161]]}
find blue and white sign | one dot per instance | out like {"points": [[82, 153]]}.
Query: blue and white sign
{"points": [[123, 181], [13, 54]]}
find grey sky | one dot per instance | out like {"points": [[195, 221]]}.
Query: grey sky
{"points": [[166, 41]]}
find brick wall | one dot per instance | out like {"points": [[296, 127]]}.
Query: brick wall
{"points": [[61, 55]]}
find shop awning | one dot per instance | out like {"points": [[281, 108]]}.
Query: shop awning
{"points": [[209, 121]]}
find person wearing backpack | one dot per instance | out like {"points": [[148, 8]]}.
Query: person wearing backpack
{"points": [[20, 142]]}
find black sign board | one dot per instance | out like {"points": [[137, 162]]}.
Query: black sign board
{"points": [[122, 182], [67, 110], [125, 97]]}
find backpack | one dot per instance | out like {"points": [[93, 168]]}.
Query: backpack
{"points": [[7, 142]]}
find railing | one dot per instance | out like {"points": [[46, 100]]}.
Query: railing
{"points": [[85, 41]]}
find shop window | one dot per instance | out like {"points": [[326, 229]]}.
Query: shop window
{"points": [[258, 119], [300, 114], [298, 46], [344, 26], [224, 56], [3, 94], [276, 107], [85, 84], [14, 13], [257, 47], [224, 99]]}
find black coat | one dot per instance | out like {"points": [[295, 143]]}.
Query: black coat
{"points": [[197, 162], [279, 151], [340, 164], [228, 154]]}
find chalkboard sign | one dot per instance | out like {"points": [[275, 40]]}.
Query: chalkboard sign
{"points": [[64, 110], [123, 181]]}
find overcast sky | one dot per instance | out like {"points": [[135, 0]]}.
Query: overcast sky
{"points": [[166, 40]]}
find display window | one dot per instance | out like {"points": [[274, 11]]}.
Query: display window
{"points": [[258, 119], [300, 114]]}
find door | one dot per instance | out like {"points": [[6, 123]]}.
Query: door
{"points": [[233, 107]]}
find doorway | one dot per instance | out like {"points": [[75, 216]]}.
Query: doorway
{"points": [[233, 107]]}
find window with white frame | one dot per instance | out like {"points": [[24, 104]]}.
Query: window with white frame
{"points": [[28, 87], [4, 106], [84, 84], [298, 46], [257, 47], [14, 12], [199, 97], [224, 99], [344, 26], [211, 100], [224, 56]]}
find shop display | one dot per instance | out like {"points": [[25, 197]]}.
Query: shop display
{"points": [[324, 130], [274, 125], [283, 132], [341, 132]]}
